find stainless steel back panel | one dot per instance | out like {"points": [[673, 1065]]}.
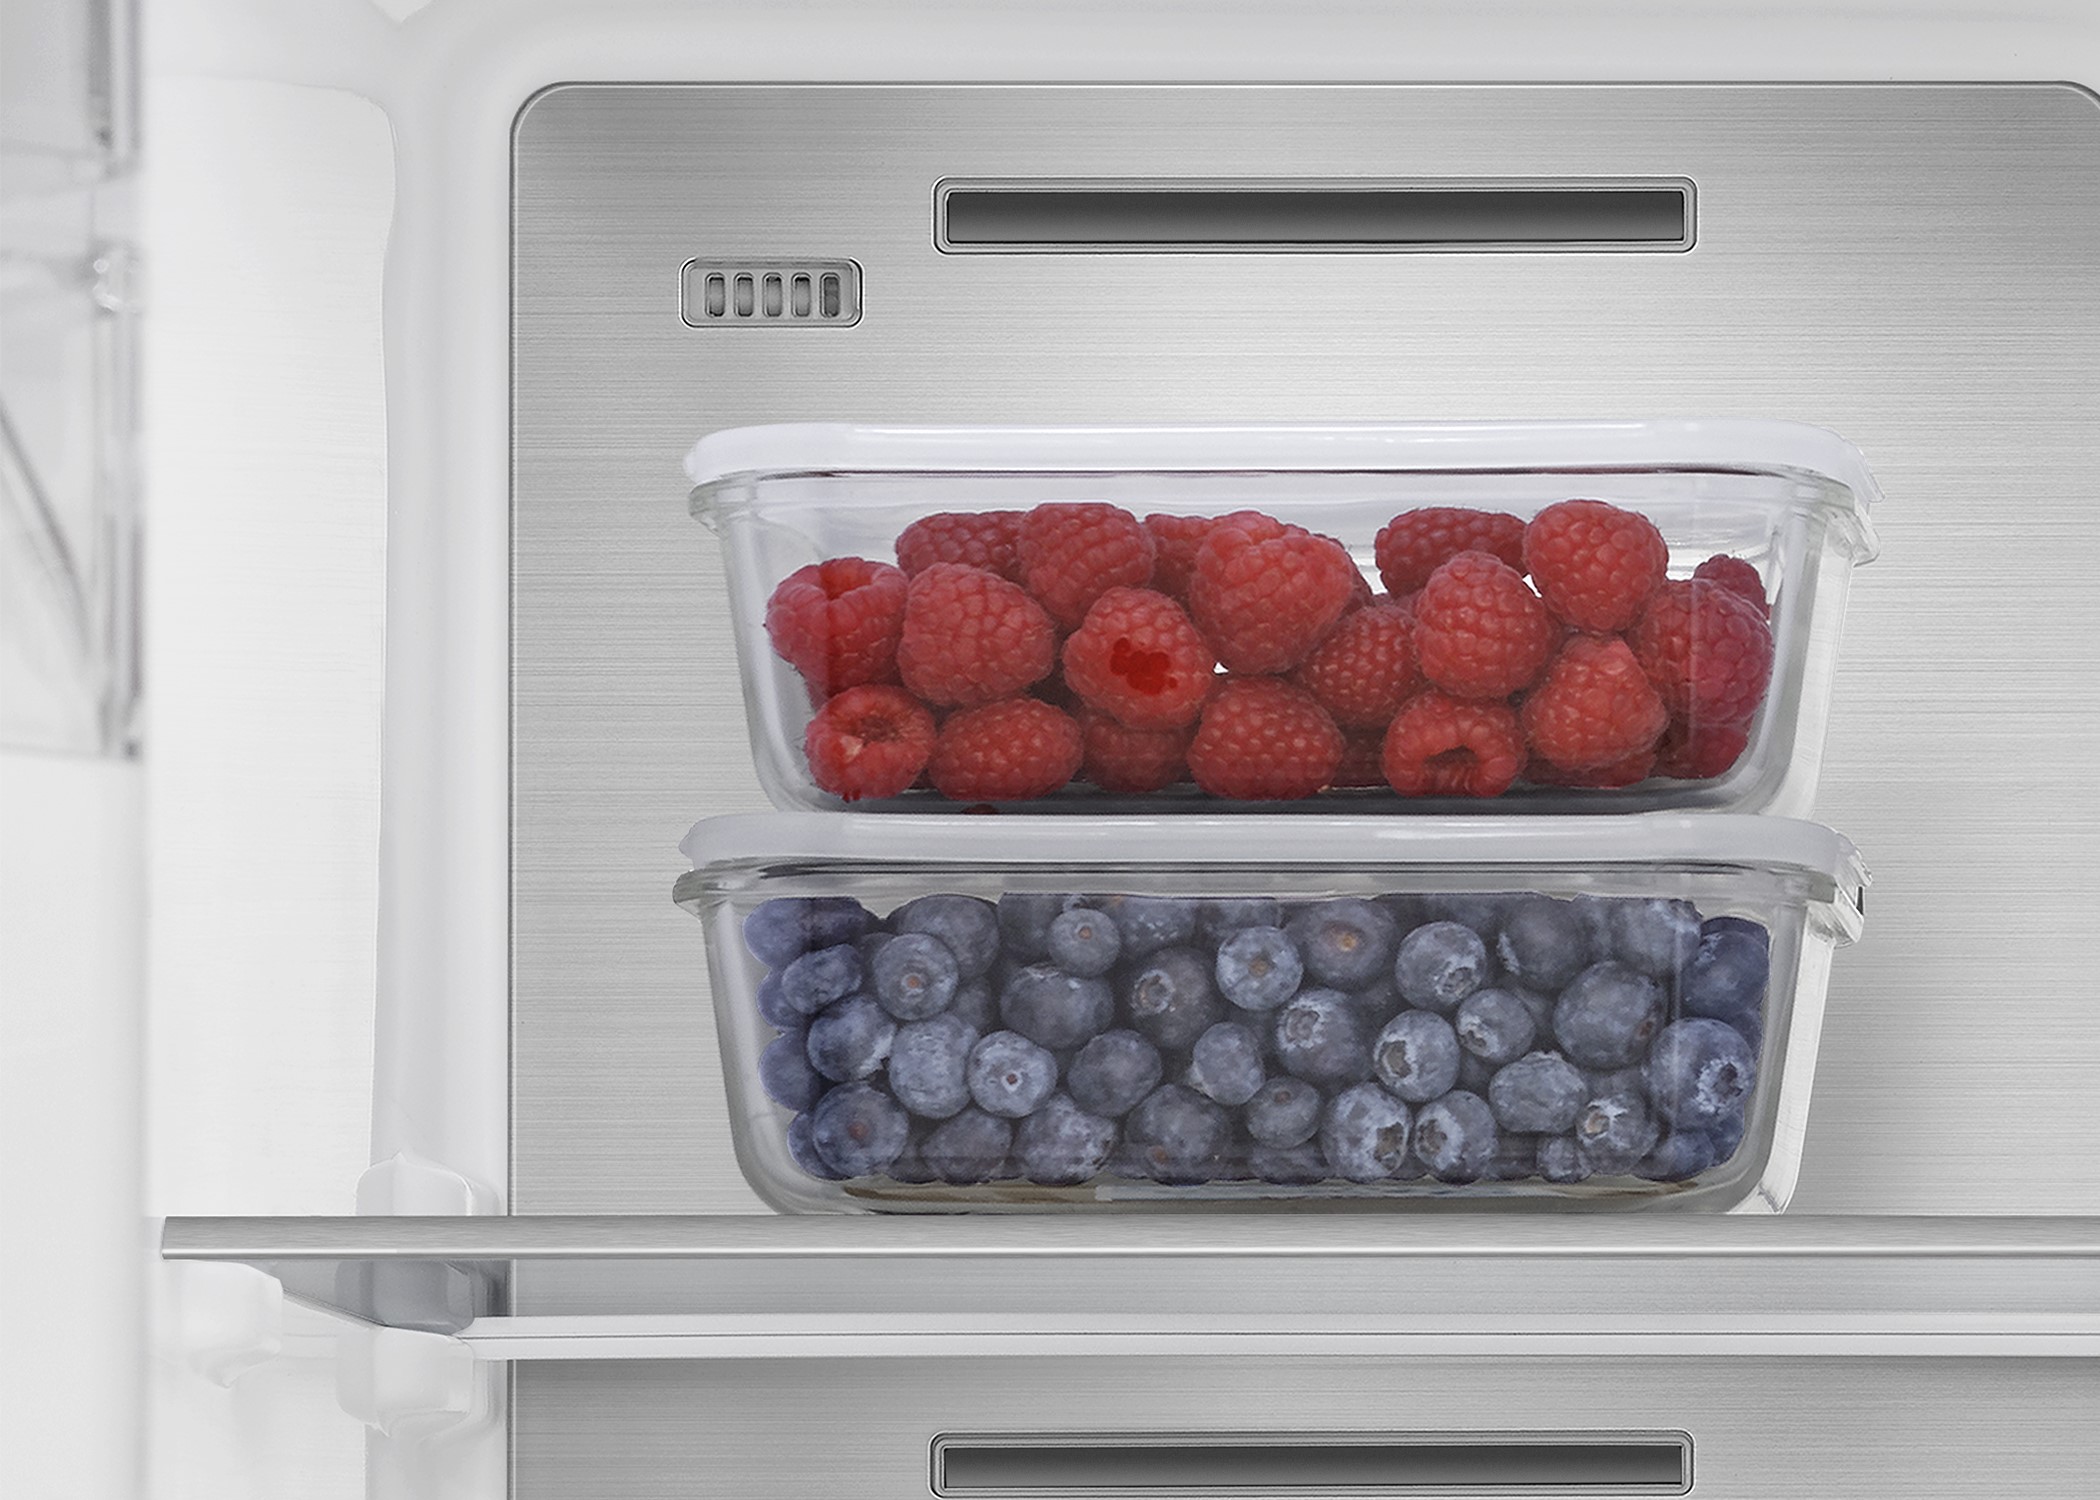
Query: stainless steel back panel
{"points": [[1916, 267], [1913, 1429]]}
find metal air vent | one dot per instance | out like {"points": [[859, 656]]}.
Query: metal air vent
{"points": [[814, 294]]}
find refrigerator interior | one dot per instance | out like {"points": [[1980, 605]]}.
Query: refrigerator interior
{"points": [[566, 704]]}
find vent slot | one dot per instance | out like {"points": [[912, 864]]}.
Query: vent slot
{"points": [[1320, 1465], [720, 293]]}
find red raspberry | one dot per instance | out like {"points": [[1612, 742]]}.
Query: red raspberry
{"points": [[868, 742], [1416, 543], [1361, 594], [1073, 554], [1007, 751], [1707, 650], [1480, 632], [1364, 671], [1264, 740], [1363, 759], [1139, 659], [1593, 707], [1441, 746], [1132, 761], [972, 637], [837, 622], [1695, 752], [1175, 540], [1738, 577], [1595, 565], [1631, 771], [982, 539], [1265, 593]]}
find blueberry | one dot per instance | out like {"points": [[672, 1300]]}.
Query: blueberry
{"points": [[1604, 1082], [914, 976], [1478, 910], [1259, 968], [1220, 918], [928, 1064], [970, 1147], [1301, 1165], [858, 1129], [1172, 1000], [1474, 1075], [1284, 1112], [1655, 937], [1056, 1009], [1416, 1056], [1061, 1145], [1544, 943], [1365, 1133], [1456, 1138], [1084, 942], [910, 1165], [1178, 1135], [1226, 1063], [1700, 1072], [1516, 1158], [1494, 1026], [851, 1039], [1559, 1160], [1009, 1075], [1407, 910], [1113, 1072], [785, 1074], [975, 1004], [1595, 912], [781, 930], [1607, 1017], [1150, 923], [1613, 1133], [1677, 1157], [818, 978], [802, 1146], [1320, 1038], [1755, 931], [1439, 965], [772, 1004], [1024, 921], [1727, 1136], [871, 943], [1540, 1008], [1539, 1093], [1377, 1003], [1727, 976], [968, 926], [1345, 943]]}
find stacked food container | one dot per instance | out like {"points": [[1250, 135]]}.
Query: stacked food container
{"points": [[1425, 812]]}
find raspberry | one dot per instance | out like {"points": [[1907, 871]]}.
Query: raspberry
{"points": [[1071, 555], [1695, 752], [837, 622], [1364, 671], [1738, 577], [1363, 759], [868, 742], [1174, 543], [1007, 751], [1265, 593], [982, 539], [1121, 759], [1593, 707], [1361, 594], [1595, 565], [1480, 632], [1138, 659], [1441, 746], [1707, 651], [972, 637], [1264, 740], [1416, 543], [1634, 769]]}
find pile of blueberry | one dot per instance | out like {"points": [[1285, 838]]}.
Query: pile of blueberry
{"points": [[1060, 1038]]}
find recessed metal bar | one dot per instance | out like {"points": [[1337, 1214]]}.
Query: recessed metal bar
{"points": [[1416, 215], [1305, 1464]]}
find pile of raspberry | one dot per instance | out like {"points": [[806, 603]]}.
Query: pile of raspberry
{"points": [[1008, 654]]}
